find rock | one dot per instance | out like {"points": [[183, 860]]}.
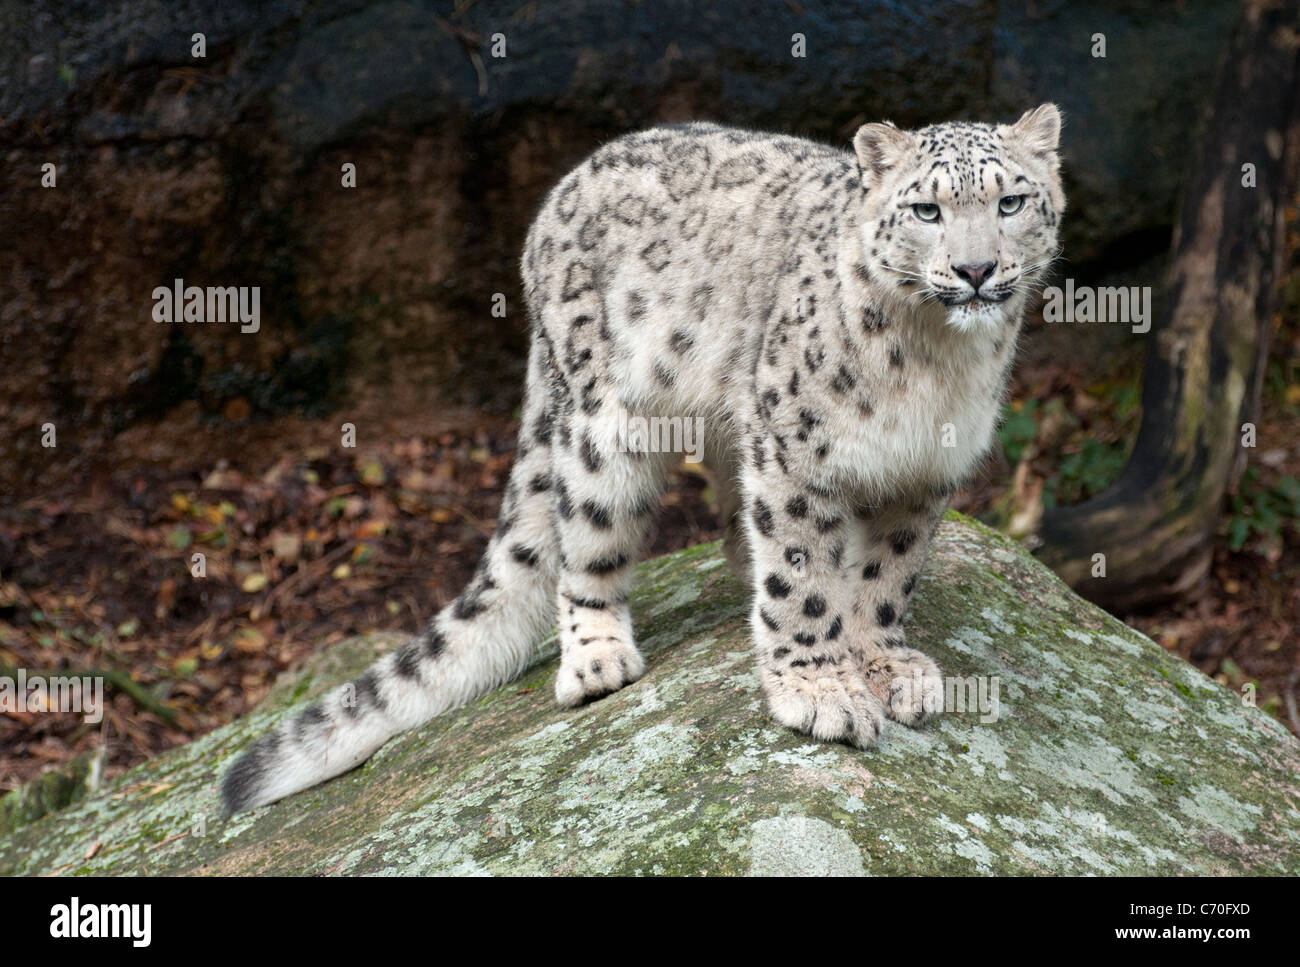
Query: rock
{"points": [[226, 170], [53, 791], [1102, 754]]}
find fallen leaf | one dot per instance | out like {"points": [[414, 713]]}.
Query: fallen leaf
{"points": [[286, 547], [371, 529], [249, 640], [254, 582], [223, 479]]}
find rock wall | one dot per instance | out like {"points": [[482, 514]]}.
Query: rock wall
{"points": [[226, 170]]}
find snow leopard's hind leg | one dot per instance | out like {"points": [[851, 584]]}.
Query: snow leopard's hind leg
{"points": [[605, 500], [892, 542]]}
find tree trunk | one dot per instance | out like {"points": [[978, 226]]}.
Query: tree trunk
{"points": [[1204, 370]]}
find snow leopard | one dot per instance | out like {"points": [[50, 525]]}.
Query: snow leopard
{"points": [[842, 322]]}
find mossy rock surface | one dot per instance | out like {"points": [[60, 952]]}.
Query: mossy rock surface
{"points": [[52, 791], [1107, 755]]}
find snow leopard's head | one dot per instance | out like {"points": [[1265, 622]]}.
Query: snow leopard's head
{"points": [[964, 215]]}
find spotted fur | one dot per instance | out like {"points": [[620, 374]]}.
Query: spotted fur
{"points": [[847, 353]]}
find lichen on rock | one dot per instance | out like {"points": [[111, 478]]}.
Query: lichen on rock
{"points": [[1084, 749]]}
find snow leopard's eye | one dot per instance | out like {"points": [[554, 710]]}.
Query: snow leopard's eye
{"points": [[926, 212], [1010, 204]]}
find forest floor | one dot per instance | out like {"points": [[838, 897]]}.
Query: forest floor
{"points": [[305, 543]]}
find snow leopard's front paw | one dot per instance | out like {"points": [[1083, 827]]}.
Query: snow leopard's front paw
{"points": [[830, 706], [908, 682]]}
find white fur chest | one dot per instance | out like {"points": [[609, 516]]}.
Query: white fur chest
{"points": [[933, 419]]}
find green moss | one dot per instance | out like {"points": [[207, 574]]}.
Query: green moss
{"points": [[51, 792]]}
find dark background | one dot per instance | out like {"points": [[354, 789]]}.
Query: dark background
{"points": [[226, 170]]}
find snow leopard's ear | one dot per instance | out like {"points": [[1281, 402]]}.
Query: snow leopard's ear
{"points": [[879, 147], [1039, 130]]}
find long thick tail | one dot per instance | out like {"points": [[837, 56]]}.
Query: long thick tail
{"points": [[479, 641]]}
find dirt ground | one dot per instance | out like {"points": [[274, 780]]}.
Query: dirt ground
{"points": [[306, 542]]}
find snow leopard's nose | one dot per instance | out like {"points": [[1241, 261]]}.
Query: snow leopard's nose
{"points": [[975, 274]]}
